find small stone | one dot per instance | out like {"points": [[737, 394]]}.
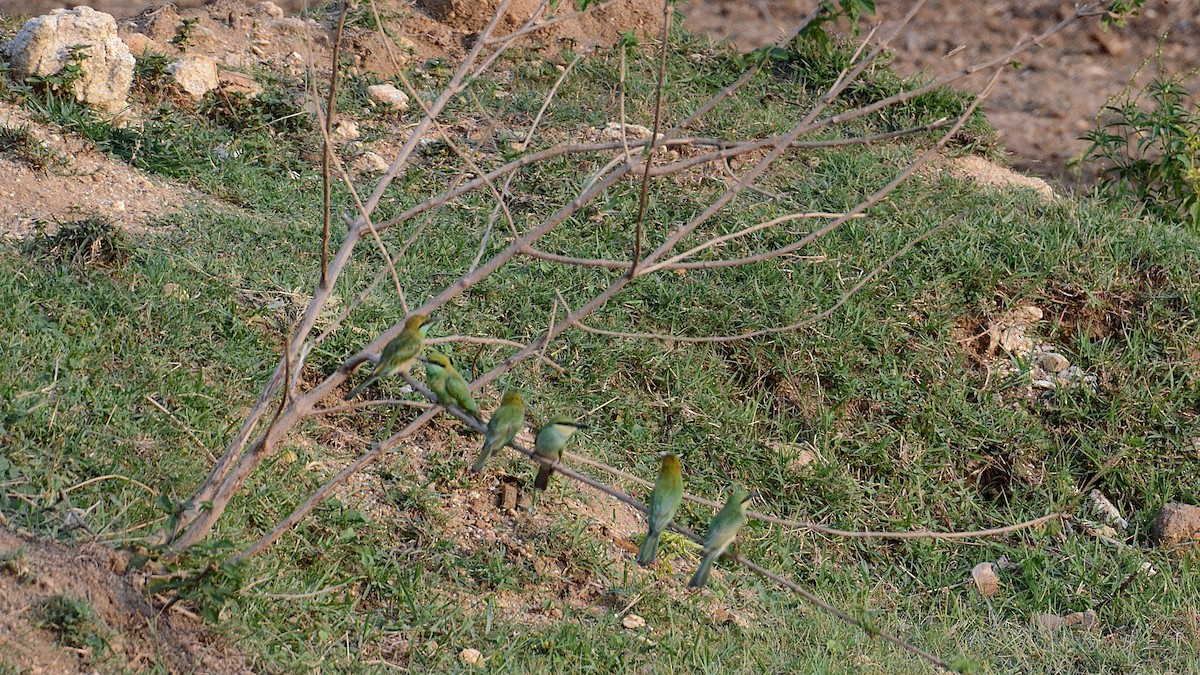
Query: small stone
{"points": [[1176, 524], [612, 131], [270, 9], [1042, 384], [194, 75], [345, 131], [508, 497], [118, 205], [1085, 619], [986, 581], [388, 95], [1048, 621], [471, 657], [258, 51], [142, 44], [1053, 362], [371, 162], [633, 622], [801, 461], [233, 82]]}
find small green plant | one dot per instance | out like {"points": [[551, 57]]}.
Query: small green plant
{"points": [[91, 242], [212, 587], [63, 79], [22, 144], [183, 34], [1149, 148], [14, 563], [75, 623]]}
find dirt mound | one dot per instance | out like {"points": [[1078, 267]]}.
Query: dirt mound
{"points": [[75, 610], [52, 177], [1042, 108], [242, 34]]}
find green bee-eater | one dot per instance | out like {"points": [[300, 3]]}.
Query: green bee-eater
{"points": [[721, 532], [506, 421], [399, 354], [448, 384], [550, 441], [664, 502]]}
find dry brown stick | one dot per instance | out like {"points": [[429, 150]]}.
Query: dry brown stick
{"points": [[670, 262], [478, 340], [648, 159], [355, 405], [326, 184], [483, 241], [823, 314], [110, 476], [207, 504]]}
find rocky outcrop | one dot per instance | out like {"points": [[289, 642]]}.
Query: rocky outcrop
{"points": [[46, 44]]}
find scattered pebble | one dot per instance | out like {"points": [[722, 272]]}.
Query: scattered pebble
{"points": [[389, 95], [1053, 362], [1176, 524], [371, 162], [1107, 511], [345, 131], [633, 622], [471, 657], [986, 581], [1086, 619]]}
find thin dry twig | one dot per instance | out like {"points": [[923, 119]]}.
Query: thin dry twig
{"points": [[327, 149], [112, 476], [181, 425]]}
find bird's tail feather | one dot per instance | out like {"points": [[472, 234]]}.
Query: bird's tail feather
{"points": [[483, 458], [648, 551], [543, 478], [360, 388], [700, 578]]}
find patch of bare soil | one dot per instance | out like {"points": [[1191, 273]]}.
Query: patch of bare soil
{"points": [[1041, 109], [134, 636], [78, 182]]}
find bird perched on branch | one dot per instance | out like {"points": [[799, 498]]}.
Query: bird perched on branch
{"points": [[503, 426], [721, 532], [549, 443], [399, 354], [448, 384], [664, 502]]}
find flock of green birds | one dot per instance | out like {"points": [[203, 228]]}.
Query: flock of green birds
{"points": [[451, 389]]}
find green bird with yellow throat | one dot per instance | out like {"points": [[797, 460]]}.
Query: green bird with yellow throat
{"points": [[722, 530], [449, 385], [502, 428], [549, 444], [664, 502], [399, 354]]}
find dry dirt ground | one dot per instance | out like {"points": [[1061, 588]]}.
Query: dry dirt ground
{"points": [[132, 633], [1040, 110]]}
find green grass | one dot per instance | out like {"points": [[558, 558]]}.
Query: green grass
{"points": [[909, 430]]}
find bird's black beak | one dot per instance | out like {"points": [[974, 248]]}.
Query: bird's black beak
{"points": [[752, 495], [429, 321]]}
